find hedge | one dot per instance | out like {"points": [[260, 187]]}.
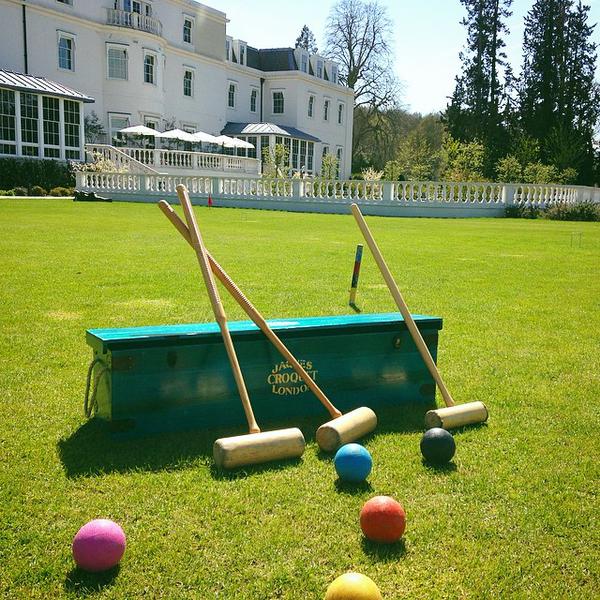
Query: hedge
{"points": [[27, 172]]}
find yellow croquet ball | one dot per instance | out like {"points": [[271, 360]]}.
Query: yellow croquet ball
{"points": [[353, 586]]}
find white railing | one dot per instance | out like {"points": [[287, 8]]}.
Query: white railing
{"points": [[119, 158], [159, 159], [133, 20], [380, 197]]}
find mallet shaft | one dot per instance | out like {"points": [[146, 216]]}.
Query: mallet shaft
{"points": [[410, 323]]}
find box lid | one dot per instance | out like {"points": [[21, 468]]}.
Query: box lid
{"points": [[110, 339]]}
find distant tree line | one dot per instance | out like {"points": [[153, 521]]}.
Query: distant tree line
{"points": [[539, 127]]}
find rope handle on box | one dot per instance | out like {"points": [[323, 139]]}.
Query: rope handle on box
{"points": [[90, 404]]}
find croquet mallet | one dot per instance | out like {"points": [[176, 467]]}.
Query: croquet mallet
{"points": [[256, 447], [453, 415]]}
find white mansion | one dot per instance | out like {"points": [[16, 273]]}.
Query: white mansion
{"points": [[170, 63]]}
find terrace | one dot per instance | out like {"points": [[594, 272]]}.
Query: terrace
{"points": [[133, 20]]}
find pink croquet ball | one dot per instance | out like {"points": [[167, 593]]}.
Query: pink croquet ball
{"points": [[98, 545]]}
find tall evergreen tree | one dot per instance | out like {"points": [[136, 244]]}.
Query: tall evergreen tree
{"points": [[477, 107], [560, 100], [307, 40]]}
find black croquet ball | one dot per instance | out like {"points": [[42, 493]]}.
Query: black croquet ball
{"points": [[437, 446]]}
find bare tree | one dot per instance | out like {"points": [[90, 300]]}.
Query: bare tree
{"points": [[358, 37], [358, 34]]}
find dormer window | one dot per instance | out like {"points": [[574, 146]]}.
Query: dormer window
{"points": [[334, 74], [304, 66], [242, 54], [227, 50], [320, 69]]}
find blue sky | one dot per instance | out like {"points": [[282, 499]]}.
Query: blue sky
{"points": [[427, 37]]}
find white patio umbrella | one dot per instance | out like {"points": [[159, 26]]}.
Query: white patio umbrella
{"points": [[242, 143], [201, 136], [140, 130], [177, 134], [225, 141]]}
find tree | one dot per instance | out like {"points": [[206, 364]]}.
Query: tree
{"points": [[463, 161], [416, 159], [358, 37], [276, 160], [560, 103], [477, 108], [307, 40]]}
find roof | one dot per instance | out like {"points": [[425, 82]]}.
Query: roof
{"points": [[267, 129], [31, 83], [271, 59]]}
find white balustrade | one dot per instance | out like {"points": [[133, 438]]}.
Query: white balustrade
{"points": [[133, 20], [453, 197]]}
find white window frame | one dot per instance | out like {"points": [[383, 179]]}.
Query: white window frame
{"points": [[340, 113], [121, 47], [304, 62], [65, 2], [326, 109], [186, 70], [254, 90], [334, 74], [231, 84], [110, 115], [193, 24], [72, 38], [282, 92], [154, 55], [243, 54], [228, 46], [147, 117], [311, 107], [189, 127]]}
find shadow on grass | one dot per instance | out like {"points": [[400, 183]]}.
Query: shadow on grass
{"points": [[83, 583], [384, 552], [352, 488], [249, 470], [92, 450], [441, 469]]}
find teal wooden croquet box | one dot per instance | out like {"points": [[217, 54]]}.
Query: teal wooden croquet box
{"points": [[176, 377]]}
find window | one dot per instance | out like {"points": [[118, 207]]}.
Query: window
{"points": [[320, 69], [325, 151], [326, 110], [150, 68], [287, 143], [117, 62], [304, 66], [242, 54], [295, 154], [231, 95], [253, 99], [340, 116], [310, 156], [252, 151], [7, 122], [115, 124], [303, 154], [334, 74], [50, 107], [278, 103], [29, 124], [188, 83], [187, 30], [69, 2], [311, 106], [66, 47], [72, 133], [338, 153], [264, 144], [227, 50]]}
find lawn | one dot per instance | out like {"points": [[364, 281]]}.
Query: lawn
{"points": [[516, 518]]}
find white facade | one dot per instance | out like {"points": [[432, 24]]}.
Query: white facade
{"points": [[165, 63]]}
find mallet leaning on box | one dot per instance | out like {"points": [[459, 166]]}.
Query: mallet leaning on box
{"points": [[452, 415], [256, 447], [342, 428]]}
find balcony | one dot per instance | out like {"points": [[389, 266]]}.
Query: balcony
{"points": [[133, 20]]}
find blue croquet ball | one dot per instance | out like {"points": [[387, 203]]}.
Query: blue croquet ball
{"points": [[437, 446], [353, 463]]}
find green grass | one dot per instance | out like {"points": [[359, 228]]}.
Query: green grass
{"points": [[516, 518]]}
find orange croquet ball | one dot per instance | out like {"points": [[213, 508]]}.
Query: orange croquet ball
{"points": [[353, 586], [382, 519]]}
